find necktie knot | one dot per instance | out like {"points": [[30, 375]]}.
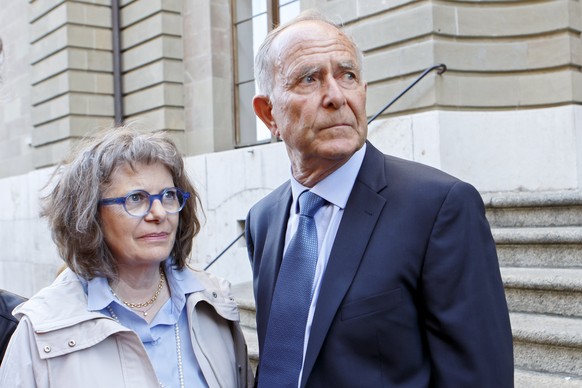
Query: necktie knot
{"points": [[309, 203]]}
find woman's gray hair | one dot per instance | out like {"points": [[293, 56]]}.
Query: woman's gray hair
{"points": [[72, 207], [266, 57]]}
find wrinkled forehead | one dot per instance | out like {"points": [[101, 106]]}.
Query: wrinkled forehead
{"points": [[311, 33], [312, 38]]}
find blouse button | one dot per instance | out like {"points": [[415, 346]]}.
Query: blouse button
{"points": [[47, 349], [214, 294], [72, 343]]}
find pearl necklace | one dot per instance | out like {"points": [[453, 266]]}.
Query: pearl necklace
{"points": [[147, 303], [178, 347]]}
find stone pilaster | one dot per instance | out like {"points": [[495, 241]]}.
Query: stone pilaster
{"points": [[72, 83]]}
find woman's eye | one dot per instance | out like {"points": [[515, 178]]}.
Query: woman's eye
{"points": [[170, 195], [136, 197]]}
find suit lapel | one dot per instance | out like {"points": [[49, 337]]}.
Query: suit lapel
{"points": [[272, 257], [359, 219]]}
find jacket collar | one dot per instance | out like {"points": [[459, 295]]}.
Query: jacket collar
{"points": [[62, 304]]}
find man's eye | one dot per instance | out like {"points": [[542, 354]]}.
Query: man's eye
{"points": [[349, 76], [308, 79]]}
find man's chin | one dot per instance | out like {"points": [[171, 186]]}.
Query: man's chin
{"points": [[341, 149]]}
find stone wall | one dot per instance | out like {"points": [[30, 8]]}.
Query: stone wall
{"points": [[15, 92], [70, 53]]}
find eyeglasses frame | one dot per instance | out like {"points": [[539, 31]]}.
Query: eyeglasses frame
{"points": [[152, 198]]}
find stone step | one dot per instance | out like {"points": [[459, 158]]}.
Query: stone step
{"points": [[243, 293], [538, 235], [547, 344], [534, 209], [252, 346], [245, 299], [556, 291], [557, 247], [535, 216], [530, 379]]}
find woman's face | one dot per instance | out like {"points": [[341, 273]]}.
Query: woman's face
{"points": [[139, 241]]}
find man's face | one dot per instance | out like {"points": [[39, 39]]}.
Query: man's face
{"points": [[318, 99]]}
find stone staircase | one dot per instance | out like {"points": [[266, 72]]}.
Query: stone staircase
{"points": [[539, 243]]}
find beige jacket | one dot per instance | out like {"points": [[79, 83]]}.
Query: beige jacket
{"points": [[60, 344]]}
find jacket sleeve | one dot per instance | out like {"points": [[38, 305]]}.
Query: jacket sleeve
{"points": [[465, 311], [22, 367]]}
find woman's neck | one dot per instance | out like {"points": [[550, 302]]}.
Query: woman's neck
{"points": [[143, 291]]}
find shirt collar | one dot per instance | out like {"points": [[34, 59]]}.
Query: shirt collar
{"points": [[336, 187], [182, 283]]}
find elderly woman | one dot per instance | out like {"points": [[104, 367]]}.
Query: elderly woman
{"points": [[128, 311]]}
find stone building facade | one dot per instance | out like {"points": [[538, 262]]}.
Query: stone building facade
{"points": [[505, 116]]}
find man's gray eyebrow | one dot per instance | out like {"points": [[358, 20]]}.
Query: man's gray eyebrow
{"points": [[306, 70], [349, 65]]}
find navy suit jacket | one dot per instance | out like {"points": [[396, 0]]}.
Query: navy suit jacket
{"points": [[411, 296]]}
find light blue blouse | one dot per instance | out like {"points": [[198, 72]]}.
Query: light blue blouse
{"points": [[159, 337]]}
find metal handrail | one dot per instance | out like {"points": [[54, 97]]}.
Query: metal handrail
{"points": [[224, 251], [441, 69]]}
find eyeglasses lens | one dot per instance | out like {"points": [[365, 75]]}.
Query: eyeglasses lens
{"points": [[172, 200], [138, 203]]}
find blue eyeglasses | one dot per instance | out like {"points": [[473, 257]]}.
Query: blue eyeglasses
{"points": [[139, 202]]}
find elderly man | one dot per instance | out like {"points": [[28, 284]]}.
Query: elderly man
{"points": [[369, 270]]}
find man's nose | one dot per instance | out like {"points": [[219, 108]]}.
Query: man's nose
{"points": [[333, 94]]}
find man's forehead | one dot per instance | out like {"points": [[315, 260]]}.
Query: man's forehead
{"points": [[308, 30], [307, 40]]}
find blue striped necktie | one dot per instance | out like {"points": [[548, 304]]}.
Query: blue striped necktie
{"points": [[282, 356]]}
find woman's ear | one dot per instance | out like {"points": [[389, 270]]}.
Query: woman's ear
{"points": [[264, 111]]}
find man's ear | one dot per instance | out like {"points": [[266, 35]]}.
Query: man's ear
{"points": [[264, 111]]}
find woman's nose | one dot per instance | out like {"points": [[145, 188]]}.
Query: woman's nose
{"points": [[157, 210]]}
